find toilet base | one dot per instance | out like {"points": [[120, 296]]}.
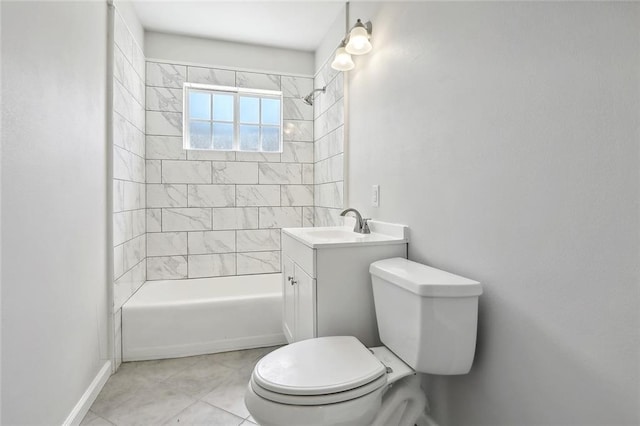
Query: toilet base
{"points": [[402, 404]]}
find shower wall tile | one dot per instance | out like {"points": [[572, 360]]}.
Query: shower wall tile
{"points": [[206, 208], [254, 80], [296, 195], [307, 173], [297, 130], [329, 145], [164, 195], [167, 268], [186, 171], [328, 170], [166, 75], [263, 157], [257, 195], [129, 168], [296, 109], [154, 220], [280, 217], [329, 194], [258, 240], [211, 155], [258, 262], [212, 265], [212, 76], [297, 152], [279, 173], [211, 195], [165, 148], [153, 171], [296, 87], [235, 218], [166, 243], [164, 99], [134, 252], [164, 123], [307, 217], [189, 219], [234, 172], [210, 242]]}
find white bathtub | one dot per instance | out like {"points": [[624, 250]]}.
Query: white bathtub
{"points": [[168, 319]]}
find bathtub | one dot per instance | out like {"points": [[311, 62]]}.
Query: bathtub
{"points": [[177, 318]]}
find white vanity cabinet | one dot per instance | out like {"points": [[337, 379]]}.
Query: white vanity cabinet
{"points": [[326, 283]]}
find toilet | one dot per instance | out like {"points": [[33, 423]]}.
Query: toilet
{"points": [[427, 320]]}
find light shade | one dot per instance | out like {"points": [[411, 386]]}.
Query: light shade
{"points": [[342, 61], [358, 40]]}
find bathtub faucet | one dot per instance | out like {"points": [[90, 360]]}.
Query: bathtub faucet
{"points": [[361, 226]]}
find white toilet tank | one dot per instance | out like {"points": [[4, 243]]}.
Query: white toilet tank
{"points": [[426, 316]]}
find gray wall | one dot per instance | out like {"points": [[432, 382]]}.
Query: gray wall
{"points": [[225, 54], [54, 207], [506, 136]]}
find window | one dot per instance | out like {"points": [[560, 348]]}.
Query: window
{"points": [[232, 119]]}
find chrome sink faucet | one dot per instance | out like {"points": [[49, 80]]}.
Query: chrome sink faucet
{"points": [[361, 226]]}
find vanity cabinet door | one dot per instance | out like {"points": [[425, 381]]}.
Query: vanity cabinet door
{"points": [[306, 305], [288, 299]]}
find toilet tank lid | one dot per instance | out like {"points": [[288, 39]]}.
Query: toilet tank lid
{"points": [[424, 280]]}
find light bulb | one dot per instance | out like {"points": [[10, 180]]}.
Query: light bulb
{"points": [[342, 60], [358, 40]]}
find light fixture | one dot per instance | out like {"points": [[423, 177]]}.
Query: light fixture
{"points": [[342, 60], [359, 43], [356, 42]]}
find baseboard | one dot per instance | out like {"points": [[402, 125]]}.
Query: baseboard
{"points": [[89, 396]]}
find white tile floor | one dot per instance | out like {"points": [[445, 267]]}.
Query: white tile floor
{"points": [[200, 390]]}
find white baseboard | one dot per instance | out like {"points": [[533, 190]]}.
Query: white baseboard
{"points": [[89, 396]]}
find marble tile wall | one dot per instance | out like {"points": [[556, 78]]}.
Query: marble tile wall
{"points": [[329, 148], [129, 205], [219, 213]]}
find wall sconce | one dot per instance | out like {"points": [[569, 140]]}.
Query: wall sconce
{"points": [[355, 43]]}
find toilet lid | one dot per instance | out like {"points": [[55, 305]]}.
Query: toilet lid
{"points": [[318, 367]]}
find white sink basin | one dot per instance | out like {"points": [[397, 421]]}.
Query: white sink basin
{"points": [[331, 234], [381, 233]]}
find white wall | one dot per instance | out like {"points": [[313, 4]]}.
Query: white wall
{"points": [[506, 136], [218, 53], [54, 180]]}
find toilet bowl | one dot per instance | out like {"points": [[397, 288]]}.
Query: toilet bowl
{"points": [[427, 320]]}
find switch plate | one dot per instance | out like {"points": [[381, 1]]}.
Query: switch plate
{"points": [[375, 196]]}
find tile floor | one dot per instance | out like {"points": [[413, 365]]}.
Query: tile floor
{"points": [[199, 390]]}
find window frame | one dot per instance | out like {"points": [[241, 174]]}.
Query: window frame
{"points": [[236, 92]]}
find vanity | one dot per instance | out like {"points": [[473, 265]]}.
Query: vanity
{"points": [[326, 283]]}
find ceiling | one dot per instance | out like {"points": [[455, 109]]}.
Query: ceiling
{"points": [[298, 25]]}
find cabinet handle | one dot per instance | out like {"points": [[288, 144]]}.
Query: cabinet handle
{"points": [[291, 280]]}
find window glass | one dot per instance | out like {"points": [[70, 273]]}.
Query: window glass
{"points": [[223, 136], [249, 110], [249, 138], [223, 107], [200, 105], [271, 139], [270, 111], [200, 134], [232, 119]]}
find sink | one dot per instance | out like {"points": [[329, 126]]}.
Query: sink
{"points": [[332, 234], [335, 236]]}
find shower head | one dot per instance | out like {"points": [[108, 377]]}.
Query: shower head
{"points": [[311, 96]]}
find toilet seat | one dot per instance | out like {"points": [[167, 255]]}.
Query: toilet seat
{"points": [[318, 371]]}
